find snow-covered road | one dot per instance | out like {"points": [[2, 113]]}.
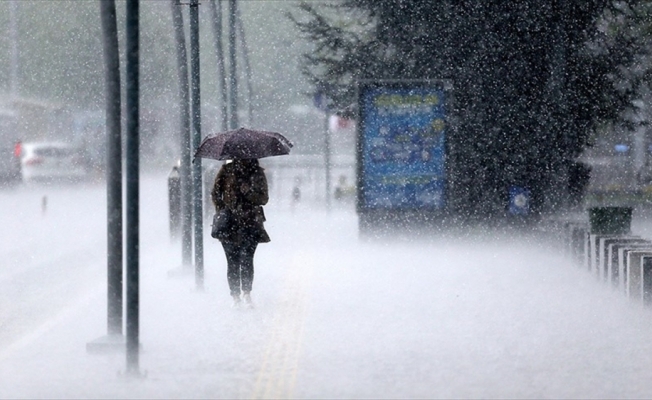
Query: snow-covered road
{"points": [[335, 317]]}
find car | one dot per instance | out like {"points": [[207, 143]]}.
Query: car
{"points": [[52, 161], [9, 164]]}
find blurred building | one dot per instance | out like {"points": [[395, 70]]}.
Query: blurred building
{"points": [[37, 119]]}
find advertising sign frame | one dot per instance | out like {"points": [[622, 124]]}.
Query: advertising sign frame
{"points": [[402, 146]]}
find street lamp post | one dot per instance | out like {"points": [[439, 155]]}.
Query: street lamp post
{"points": [[13, 33], [233, 79], [184, 101], [198, 213], [113, 167], [132, 169]]}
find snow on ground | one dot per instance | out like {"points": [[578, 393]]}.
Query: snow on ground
{"points": [[336, 317]]}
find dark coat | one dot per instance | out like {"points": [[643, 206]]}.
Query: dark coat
{"points": [[242, 188]]}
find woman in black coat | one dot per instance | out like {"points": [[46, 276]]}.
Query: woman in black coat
{"points": [[241, 187]]}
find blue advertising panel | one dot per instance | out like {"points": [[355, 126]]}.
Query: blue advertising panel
{"points": [[402, 146]]}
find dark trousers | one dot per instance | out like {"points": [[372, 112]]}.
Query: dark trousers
{"points": [[240, 262]]}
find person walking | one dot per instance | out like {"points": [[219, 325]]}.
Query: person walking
{"points": [[241, 187]]}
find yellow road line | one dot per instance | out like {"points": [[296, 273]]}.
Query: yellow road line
{"points": [[279, 368]]}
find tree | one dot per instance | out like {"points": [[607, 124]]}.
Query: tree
{"points": [[623, 47], [528, 90]]}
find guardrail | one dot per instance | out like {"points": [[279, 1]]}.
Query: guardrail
{"points": [[603, 245]]}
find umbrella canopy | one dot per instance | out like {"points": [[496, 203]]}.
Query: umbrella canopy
{"points": [[243, 144]]}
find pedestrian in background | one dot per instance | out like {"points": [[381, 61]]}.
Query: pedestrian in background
{"points": [[241, 187]]}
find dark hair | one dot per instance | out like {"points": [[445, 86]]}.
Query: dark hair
{"points": [[246, 165], [246, 162]]}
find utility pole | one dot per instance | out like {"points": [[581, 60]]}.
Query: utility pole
{"points": [[216, 11], [245, 58], [196, 140], [113, 167], [233, 79], [327, 158], [132, 165], [13, 34], [322, 103]]}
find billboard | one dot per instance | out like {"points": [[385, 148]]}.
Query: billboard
{"points": [[402, 145]]}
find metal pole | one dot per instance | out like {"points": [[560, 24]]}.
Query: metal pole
{"points": [[196, 139], [184, 133], [233, 78], [13, 32], [216, 11], [113, 167], [132, 248], [327, 160], [245, 58]]}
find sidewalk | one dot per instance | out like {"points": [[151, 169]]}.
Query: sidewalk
{"points": [[339, 318]]}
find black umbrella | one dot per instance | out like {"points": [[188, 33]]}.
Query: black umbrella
{"points": [[242, 144]]}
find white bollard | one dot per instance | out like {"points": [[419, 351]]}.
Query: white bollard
{"points": [[613, 264], [596, 244], [623, 272], [646, 265], [634, 283]]}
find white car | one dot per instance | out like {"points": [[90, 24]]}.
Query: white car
{"points": [[51, 161]]}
